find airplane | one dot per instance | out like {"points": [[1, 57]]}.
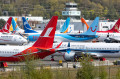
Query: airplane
{"points": [[6, 27], [110, 36], [70, 50], [10, 39], [40, 49], [89, 35], [15, 28]]}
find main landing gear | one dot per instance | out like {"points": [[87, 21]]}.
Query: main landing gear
{"points": [[52, 58]]}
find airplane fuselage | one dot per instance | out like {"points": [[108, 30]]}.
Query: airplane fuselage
{"points": [[96, 49], [18, 53], [113, 36], [12, 39], [66, 37]]}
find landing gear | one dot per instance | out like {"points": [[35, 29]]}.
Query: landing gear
{"points": [[3, 65], [102, 59], [52, 58]]}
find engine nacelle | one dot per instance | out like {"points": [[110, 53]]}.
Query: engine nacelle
{"points": [[69, 56]]}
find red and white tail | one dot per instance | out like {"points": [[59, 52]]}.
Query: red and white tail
{"points": [[6, 26], [46, 38], [116, 26]]}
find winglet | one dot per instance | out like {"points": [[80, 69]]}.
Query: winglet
{"points": [[46, 38]]}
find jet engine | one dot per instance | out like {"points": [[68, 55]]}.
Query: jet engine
{"points": [[69, 56]]}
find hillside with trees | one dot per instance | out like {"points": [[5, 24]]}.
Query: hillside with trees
{"points": [[106, 9]]}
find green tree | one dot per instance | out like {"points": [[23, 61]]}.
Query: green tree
{"points": [[87, 71], [2, 23], [38, 11]]}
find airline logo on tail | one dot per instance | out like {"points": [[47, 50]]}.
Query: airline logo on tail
{"points": [[48, 32], [92, 29], [116, 27], [25, 23], [6, 26]]}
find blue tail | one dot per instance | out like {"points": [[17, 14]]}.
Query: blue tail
{"points": [[65, 26], [93, 27], [27, 27]]}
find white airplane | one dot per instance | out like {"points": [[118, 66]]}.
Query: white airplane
{"points": [[40, 49], [97, 50], [12, 39]]}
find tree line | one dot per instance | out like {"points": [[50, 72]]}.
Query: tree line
{"points": [[106, 9]]}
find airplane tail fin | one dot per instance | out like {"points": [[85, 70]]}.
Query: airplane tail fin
{"points": [[46, 38], [83, 21], [6, 26], [64, 28], [116, 26], [93, 27], [27, 27]]}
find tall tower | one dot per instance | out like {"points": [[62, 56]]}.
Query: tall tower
{"points": [[71, 11]]}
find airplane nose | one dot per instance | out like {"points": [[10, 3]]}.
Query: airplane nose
{"points": [[25, 41]]}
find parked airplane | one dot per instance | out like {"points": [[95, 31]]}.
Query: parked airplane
{"points": [[90, 34], [40, 49], [6, 27], [12, 39], [70, 50], [112, 35]]}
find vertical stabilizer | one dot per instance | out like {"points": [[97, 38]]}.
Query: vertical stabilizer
{"points": [[64, 28], [6, 27], [46, 38], [93, 27], [116, 26]]}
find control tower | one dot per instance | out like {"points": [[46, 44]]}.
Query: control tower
{"points": [[71, 11]]}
